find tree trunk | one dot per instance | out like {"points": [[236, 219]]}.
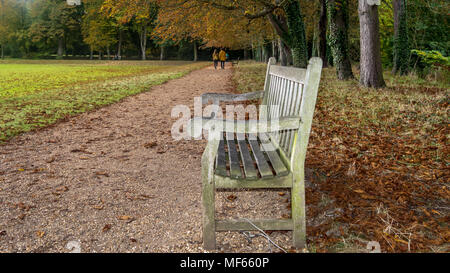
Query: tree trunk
{"points": [[296, 30], [323, 33], [282, 53], [401, 43], [315, 42], [371, 74], [2, 22], [338, 37], [162, 55], [266, 52], [119, 46], [195, 51], [60, 47], [285, 53], [143, 40], [274, 49], [245, 54], [91, 56], [108, 52]]}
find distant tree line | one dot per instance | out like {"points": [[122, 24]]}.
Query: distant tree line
{"points": [[399, 34]]}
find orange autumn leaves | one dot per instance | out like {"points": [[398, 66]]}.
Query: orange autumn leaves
{"points": [[193, 20], [199, 21], [389, 178]]}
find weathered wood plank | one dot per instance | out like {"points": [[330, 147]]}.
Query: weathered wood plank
{"points": [[217, 97], [264, 224], [298, 157], [221, 160], [295, 111], [275, 160], [261, 162], [290, 73], [208, 191], [235, 166], [274, 182], [247, 160]]}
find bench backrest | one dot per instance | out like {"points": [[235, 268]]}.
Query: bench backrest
{"points": [[290, 91]]}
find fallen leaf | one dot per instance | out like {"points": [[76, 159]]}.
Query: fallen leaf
{"points": [[285, 216], [426, 212], [150, 144], [433, 211], [161, 151], [106, 227], [37, 170], [98, 207], [50, 160], [231, 197], [40, 234], [125, 218], [102, 173], [62, 189]]}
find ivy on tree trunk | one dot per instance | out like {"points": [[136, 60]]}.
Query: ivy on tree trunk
{"points": [[338, 20], [291, 30], [296, 31], [323, 33]]}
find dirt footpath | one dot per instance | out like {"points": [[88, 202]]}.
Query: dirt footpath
{"points": [[114, 180]]}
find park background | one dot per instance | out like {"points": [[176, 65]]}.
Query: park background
{"points": [[379, 146]]}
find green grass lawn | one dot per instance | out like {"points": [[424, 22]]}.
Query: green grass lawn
{"points": [[382, 156], [35, 93]]}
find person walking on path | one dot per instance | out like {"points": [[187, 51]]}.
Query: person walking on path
{"points": [[222, 58], [215, 57]]}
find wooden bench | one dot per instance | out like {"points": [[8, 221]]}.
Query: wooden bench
{"points": [[257, 154], [235, 62]]}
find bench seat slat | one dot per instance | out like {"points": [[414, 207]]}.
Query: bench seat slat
{"points": [[221, 161], [235, 166], [263, 166], [275, 160], [247, 160], [264, 224]]}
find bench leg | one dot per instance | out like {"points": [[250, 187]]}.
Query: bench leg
{"points": [[209, 225], [298, 210]]}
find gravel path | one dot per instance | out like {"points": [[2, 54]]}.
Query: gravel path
{"points": [[114, 180]]}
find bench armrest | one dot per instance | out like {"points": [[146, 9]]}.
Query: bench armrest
{"points": [[196, 125], [216, 98]]}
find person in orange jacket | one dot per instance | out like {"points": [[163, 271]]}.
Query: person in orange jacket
{"points": [[222, 58]]}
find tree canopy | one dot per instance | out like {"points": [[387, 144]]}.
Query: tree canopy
{"points": [[295, 30]]}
